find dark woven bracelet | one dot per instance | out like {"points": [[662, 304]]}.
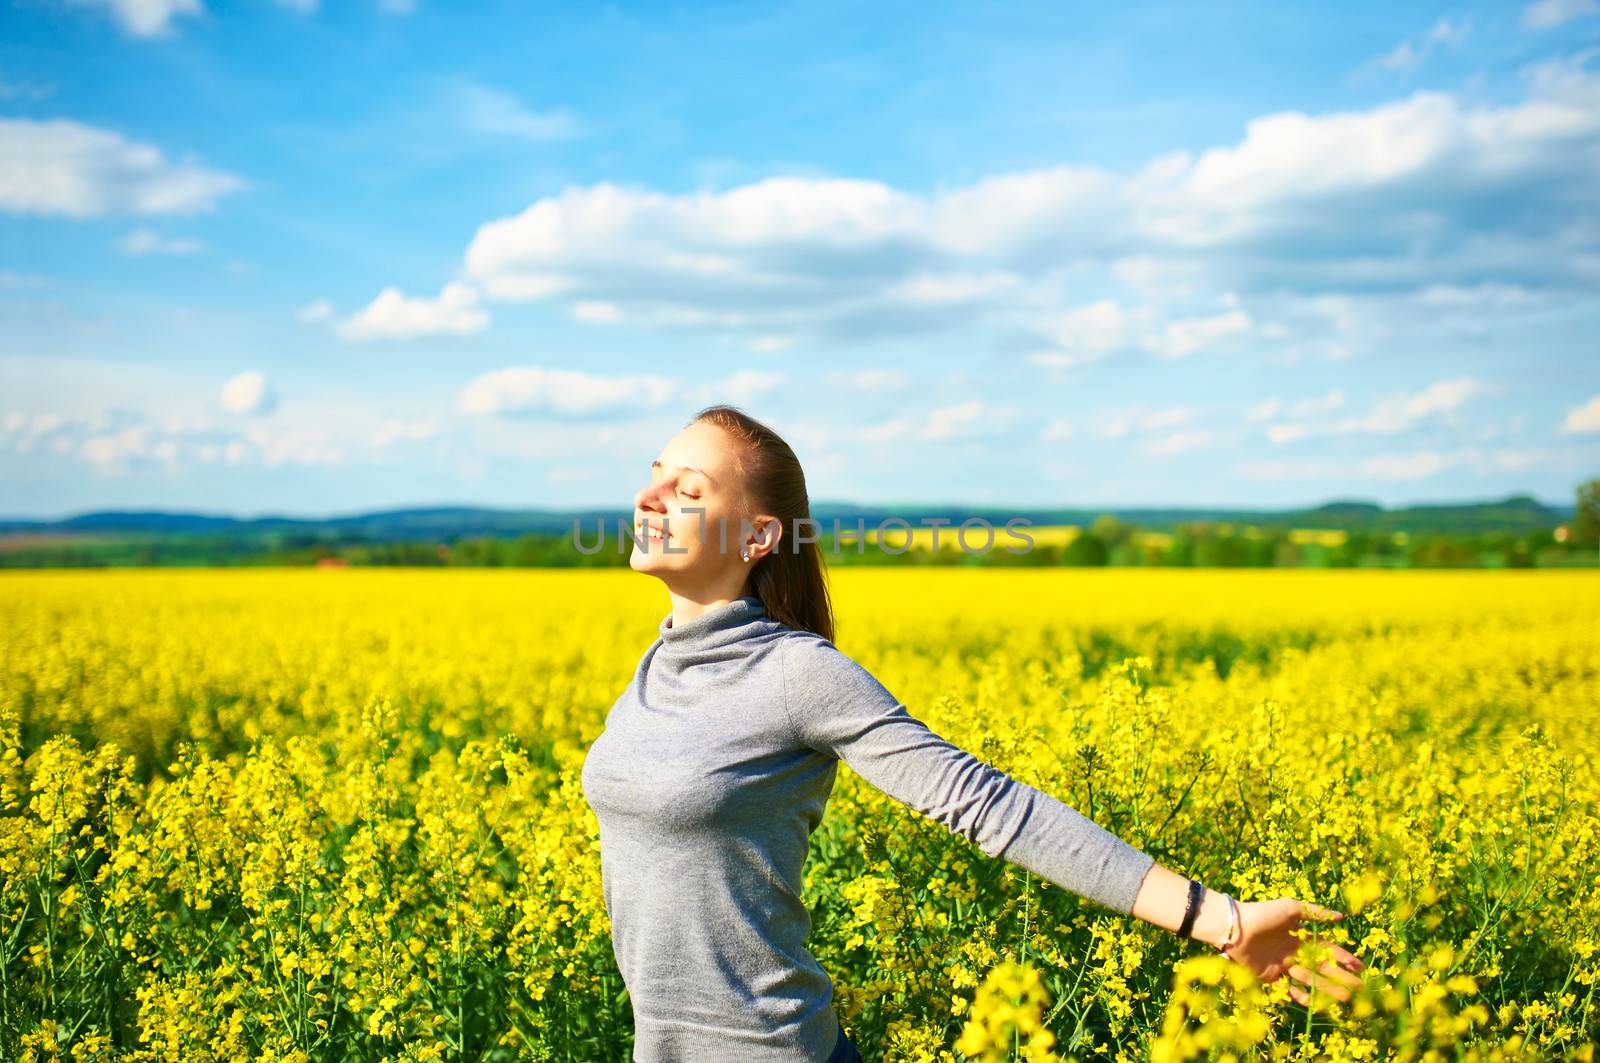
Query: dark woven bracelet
{"points": [[1192, 910]]}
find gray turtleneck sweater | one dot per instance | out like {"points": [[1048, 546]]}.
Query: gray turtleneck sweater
{"points": [[714, 768]]}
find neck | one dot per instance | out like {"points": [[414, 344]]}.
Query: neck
{"points": [[687, 606], [697, 625]]}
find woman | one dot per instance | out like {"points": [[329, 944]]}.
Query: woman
{"points": [[717, 760]]}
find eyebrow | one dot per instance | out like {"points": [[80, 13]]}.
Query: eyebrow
{"points": [[688, 468]]}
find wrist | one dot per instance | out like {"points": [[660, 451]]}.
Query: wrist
{"points": [[1211, 921], [1163, 901]]}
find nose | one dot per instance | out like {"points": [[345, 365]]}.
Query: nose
{"points": [[649, 500]]}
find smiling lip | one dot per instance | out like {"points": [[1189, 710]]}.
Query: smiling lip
{"points": [[653, 532]]}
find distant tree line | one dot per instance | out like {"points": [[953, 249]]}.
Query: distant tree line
{"points": [[1107, 541]]}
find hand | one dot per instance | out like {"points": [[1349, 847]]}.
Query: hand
{"points": [[1266, 945]]}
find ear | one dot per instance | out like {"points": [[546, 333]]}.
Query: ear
{"points": [[768, 531]]}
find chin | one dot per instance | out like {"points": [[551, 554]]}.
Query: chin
{"points": [[649, 562]]}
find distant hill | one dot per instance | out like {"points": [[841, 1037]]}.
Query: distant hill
{"points": [[1515, 513], [444, 523]]}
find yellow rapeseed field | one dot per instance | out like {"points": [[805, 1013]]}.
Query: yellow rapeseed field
{"points": [[335, 815]]}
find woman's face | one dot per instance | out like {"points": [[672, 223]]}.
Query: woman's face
{"points": [[698, 471]]}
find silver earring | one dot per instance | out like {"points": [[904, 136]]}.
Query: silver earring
{"points": [[747, 555]]}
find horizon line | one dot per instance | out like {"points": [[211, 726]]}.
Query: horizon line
{"points": [[815, 504]]}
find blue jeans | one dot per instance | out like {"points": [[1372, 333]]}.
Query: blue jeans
{"points": [[845, 1051]]}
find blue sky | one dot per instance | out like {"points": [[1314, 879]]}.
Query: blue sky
{"points": [[314, 258]]}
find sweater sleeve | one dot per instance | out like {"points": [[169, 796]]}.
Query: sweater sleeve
{"points": [[837, 707]]}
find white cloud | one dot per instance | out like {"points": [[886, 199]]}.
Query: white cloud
{"points": [[771, 344], [308, 445], [1548, 14], [573, 474], [721, 258], [1297, 174], [112, 450], [1188, 335], [1171, 417], [1408, 55], [1089, 332], [962, 420], [869, 380], [950, 288], [1058, 359], [1273, 469], [949, 421], [314, 311], [888, 431], [1085, 333], [1489, 293], [22, 432], [519, 286], [232, 453], [1400, 413], [1159, 277], [597, 313], [1299, 408], [1301, 202], [1334, 325], [1585, 418], [1299, 469], [1391, 414], [1116, 424], [1403, 466], [1443, 395], [1181, 442], [118, 440], [741, 387], [24, 90], [393, 316], [248, 393], [533, 389], [120, 418], [58, 166], [394, 431], [149, 242], [485, 109], [145, 18], [1338, 308], [1510, 460], [1058, 429]]}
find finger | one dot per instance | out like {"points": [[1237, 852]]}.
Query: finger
{"points": [[1338, 975], [1332, 981], [1349, 959], [1319, 986], [1312, 910], [1324, 982], [1315, 982], [1300, 995], [1325, 948]]}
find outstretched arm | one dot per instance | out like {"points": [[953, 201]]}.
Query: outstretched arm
{"points": [[836, 706], [1264, 937]]}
